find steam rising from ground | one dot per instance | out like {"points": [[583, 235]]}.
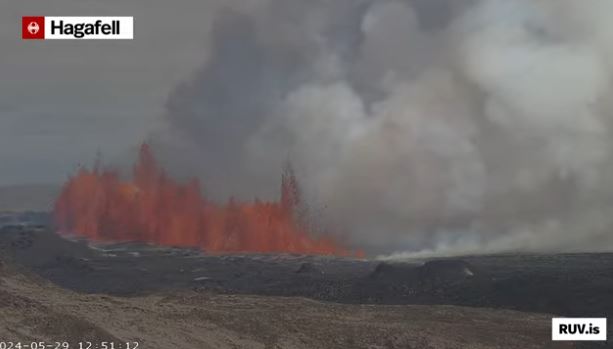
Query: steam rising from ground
{"points": [[440, 126]]}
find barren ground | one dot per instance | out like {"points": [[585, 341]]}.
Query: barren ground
{"points": [[55, 289], [33, 310]]}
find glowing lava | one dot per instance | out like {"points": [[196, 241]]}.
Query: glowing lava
{"points": [[153, 208]]}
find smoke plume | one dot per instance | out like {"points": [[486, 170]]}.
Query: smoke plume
{"points": [[417, 126]]}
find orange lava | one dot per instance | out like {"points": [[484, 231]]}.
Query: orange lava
{"points": [[153, 208]]}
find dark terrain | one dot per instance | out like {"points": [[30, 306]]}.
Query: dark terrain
{"points": [[575, 285], [35, 310], [566, 284]]}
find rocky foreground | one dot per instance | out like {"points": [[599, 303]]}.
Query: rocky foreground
{"points": [[32, 309]]}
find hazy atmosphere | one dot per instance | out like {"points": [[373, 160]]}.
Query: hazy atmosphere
{"points": [[416, 126]]}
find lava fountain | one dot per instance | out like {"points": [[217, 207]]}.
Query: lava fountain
{"points": [[152, 207]]}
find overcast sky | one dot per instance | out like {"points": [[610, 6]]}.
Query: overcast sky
{"points": [[418, 124], [62, 101]]}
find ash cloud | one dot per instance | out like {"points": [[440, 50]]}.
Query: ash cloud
{"points": [[421, 127]]}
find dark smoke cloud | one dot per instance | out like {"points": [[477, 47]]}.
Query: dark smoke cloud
{"points": [[433, 127]]}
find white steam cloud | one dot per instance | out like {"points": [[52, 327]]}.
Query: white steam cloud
{"points": [[429, 127]]}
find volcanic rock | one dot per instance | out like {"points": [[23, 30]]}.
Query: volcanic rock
{"points": [[35, 308], [394, 272], [71, 262], [308, 268], [445, 271], [23, 241]]}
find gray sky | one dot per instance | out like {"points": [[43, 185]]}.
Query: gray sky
{"points": [[419, 125], [62, 101]]}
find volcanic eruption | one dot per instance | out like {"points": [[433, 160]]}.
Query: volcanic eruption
{"points": [[152, 207]]}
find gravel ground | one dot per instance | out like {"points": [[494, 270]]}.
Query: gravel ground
{"points": [[33, 309]]}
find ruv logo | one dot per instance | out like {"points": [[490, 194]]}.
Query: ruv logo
{"points": [[579, 329]]}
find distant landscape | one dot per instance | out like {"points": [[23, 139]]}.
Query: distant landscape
{"points": [[28, 197]]}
